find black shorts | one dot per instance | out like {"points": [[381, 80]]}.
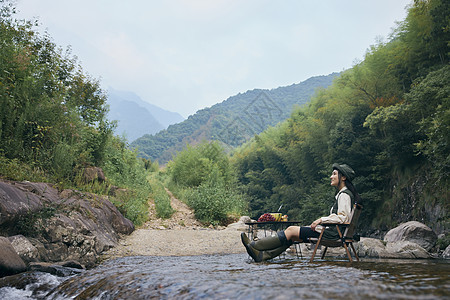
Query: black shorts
{"points": [[306, 232]]}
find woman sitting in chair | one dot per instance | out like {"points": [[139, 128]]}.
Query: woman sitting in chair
{"points": [[272, 246]]}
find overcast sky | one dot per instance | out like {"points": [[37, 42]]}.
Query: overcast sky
{"points": [[185, 55]]}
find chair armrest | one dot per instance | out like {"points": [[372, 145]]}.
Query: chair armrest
{"points": [[332, 224]]}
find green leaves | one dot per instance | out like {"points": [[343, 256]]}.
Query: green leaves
{"points": [[394, 134], [205, 176], [52, 120], [193, 166], [46, 100]]}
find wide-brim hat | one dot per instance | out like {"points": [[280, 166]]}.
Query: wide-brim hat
{"points": [[345, 170]]}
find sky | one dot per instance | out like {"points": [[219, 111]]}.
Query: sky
{"points": [[185, 55]]}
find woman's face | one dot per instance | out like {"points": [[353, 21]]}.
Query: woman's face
{"points": [[334, 178]]}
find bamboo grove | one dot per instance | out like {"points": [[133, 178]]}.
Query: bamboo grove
{"points": [[388, 117]]}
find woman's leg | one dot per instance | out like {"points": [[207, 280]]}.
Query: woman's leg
{"points": [[293, 234], [271, 246]]}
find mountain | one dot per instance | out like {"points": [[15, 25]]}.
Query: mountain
{"points": [[233, 121], [136, 117]]}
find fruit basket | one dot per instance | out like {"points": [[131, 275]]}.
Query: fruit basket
{"points": [[272, 217]]}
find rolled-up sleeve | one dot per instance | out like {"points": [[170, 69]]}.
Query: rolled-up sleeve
{"points": [[343, 213]]}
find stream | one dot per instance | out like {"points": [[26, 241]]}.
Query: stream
{"points": [[235, 276]]}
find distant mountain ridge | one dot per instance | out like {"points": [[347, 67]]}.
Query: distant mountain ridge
{"points": [[136, 117], [233, 121]]}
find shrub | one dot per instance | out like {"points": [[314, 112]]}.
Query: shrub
{"points": [[214, 201], [14, 169], [193, 166], [162, 200], [123, 168]]}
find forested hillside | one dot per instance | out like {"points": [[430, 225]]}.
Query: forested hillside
{"points": [[388, 117], [233, 121]]}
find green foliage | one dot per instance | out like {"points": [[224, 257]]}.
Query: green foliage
{"points": [[14, 169], [47, 103], [423, 40], [193, 166], [151, 166], [52, 120], [162, 200], [203, 177], [429, 101], [442, 243], [33, 223], [387, 117], [123, 168], [63, 161], [214, 202]]}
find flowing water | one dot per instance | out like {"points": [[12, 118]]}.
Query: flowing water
{"points": [[234, 276]]}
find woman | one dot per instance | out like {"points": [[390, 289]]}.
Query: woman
{"points": [[272, 246]]}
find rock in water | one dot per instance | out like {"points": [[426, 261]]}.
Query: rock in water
{"points": [[415, 232], [446, 253], [10, 261]]}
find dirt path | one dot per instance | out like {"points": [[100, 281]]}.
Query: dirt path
{"points": [[180, 235]]}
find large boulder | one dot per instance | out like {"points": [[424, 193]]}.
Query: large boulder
{"points": [[26, 250], [77, 226], [10, 261], [414, 232], [91, 174], [16, 201], [446, 253], [369, 247], [240, 225], [92, 227], [405, 249]]}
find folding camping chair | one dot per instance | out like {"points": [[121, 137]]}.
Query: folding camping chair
{"points": [[344, 240]]}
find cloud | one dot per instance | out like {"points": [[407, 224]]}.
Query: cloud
{"points": [[121, 50], [184, 55]]}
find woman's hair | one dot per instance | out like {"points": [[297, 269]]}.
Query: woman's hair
{"points": [[351, 187]]}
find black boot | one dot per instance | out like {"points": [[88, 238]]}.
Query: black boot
{"points": [[266, 248], [253, 253]]}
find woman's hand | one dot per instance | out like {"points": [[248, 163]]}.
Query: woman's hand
{"points": [[315, 223]]}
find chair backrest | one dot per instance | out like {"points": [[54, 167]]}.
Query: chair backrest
{"points": [[350, 230]]}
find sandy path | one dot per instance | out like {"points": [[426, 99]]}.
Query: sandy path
{"points": [[180, 235]]}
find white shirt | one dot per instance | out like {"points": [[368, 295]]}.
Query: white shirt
{"points": [[343, 211]]}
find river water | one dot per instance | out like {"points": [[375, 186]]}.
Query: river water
{"points": [[234, 276]]}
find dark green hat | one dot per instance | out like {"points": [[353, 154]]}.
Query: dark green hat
{"points": [[345, 170]]}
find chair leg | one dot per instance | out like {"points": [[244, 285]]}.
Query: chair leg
{"points": [[348, 252], [298, 249], [354, 251], [317, 246], [324, 252], [344, 244]]}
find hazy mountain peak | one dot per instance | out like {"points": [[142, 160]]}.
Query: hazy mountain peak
{"points": [[137, 117]]}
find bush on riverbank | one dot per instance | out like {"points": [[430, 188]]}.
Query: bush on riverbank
{"points": [[203, 178], [162, 200]]}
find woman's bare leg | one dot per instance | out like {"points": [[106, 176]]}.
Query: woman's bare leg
{"points": [[292, 233]]}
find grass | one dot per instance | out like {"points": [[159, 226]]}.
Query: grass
{"points": [[162, 200]]}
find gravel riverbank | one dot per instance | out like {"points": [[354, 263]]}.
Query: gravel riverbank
{"points": [[178, 242], [180, 235]]}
